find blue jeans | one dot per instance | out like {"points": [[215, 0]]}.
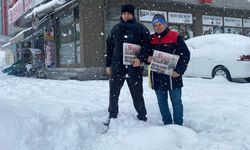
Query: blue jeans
{"points": [[175, 97]]}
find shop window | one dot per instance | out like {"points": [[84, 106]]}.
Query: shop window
{"points": [[77, 43], [113, 17], [212, 30], [149, 26], [186, 31], [113, 14], [246, 32], [232, 30], [69, 39], [39, 42], [76, 13]]}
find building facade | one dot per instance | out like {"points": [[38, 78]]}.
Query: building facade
{"points": [[72, 33]]}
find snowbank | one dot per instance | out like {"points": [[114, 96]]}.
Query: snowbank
{"points": [[69, 115]]}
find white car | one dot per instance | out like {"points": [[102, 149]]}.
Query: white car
{"points": [[227, 55]]}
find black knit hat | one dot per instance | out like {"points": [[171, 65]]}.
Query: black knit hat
{"points": [[128, 8]]}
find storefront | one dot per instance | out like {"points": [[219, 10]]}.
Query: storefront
{"points": [[73, 35], [80, 30], [180, 20], [57, 34], [188, 19]]}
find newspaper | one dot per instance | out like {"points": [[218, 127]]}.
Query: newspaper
{"points": [[130, 51], [164, 62]]}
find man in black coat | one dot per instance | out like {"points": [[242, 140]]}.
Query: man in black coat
{"points": [[126, 31]]}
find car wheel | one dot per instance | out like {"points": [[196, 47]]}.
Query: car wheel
{"points": [[40, 73], [221, 71]]}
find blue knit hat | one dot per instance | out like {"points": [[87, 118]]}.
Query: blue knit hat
{"points": [[159, 18]]}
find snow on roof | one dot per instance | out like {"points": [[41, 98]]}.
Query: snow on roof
{"points": [[44, 7], [20, 35], [200, 41], [3, 47]]}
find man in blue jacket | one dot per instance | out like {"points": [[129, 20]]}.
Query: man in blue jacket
{"points": [[126, 31], [171, 42]]}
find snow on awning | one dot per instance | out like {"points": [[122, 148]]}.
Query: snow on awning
{"points": [[20, 35], [5, 46], [45, 7], [64, 5]]}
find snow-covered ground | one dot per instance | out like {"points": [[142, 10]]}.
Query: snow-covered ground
{"points": [[68, 115]]}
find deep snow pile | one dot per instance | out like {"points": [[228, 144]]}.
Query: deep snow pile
{"points": [[219, 46], [68, 115]]}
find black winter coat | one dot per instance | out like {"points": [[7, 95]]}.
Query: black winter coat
{"points": [[170, 42], [126, 32]]}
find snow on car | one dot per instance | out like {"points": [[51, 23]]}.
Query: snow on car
{"points": [[226, 55]]}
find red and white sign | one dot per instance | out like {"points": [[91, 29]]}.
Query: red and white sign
{"points": [[11, 3], [17, 11], [20, 7], [27, 5], [10, 16], [206, 1]]}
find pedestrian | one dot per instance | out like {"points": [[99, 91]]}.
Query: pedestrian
{"points": [[171, 42], [128, 30]]}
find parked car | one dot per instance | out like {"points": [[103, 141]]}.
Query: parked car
{"points": [[226, 55]]}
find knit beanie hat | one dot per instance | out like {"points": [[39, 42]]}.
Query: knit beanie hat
{"points": [[159, 18], [128, 8]]}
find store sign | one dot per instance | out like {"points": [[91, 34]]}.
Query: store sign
{"points": [[185, 18], [49, 35], [10, 16], [17, 11], [212, 20], [11, 2], [206, 1], [232, 22], [147, 15], [246, 23], [29, 4], [49, 47]]}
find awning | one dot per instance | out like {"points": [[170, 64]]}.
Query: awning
{"points": [[44, 8], [5, 46], [21, 35]]}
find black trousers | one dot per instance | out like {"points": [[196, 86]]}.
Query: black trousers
{"points": [[134, 82]]}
